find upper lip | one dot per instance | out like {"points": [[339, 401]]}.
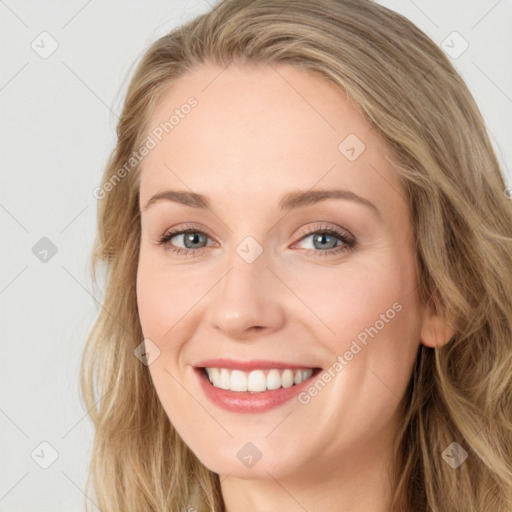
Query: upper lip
{"points": [[253, 364]]}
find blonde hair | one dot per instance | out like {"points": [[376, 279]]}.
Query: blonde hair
{"points": [[404, 85]]}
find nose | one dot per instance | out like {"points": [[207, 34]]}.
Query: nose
{"points": [[248, 301]]}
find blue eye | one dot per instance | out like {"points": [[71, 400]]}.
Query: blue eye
{"points": [[322, 238], [325, 237], [190, 237]]}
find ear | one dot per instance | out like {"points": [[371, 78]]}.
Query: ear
{"points": [[435, 331]]}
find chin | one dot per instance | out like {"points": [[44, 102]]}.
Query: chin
{"points": [[244, 460]]}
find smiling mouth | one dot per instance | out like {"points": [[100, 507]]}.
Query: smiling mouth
{"points": [[258, 380]]}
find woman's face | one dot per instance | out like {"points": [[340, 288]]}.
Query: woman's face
{"points": [[280, 278]]}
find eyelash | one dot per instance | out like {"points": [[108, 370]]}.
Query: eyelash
{"points": [[348, 241]]}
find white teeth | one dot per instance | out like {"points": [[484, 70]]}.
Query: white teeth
{"points": [[224, 379], [273, 379], [256, 381], [238, 381], [287, 379]]}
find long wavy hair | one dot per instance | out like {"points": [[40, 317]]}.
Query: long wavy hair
{"points": [[402, 83]]}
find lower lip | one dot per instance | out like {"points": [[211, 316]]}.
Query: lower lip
{"points": [[247, 402]]}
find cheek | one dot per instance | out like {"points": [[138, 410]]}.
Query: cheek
{"points": [[162, 301], [169, 303], [159, 299], [348, 301], [368, 314]]}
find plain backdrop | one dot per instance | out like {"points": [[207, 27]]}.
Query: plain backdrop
{"points": [[58, 117]]}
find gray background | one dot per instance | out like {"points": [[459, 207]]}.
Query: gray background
{"points": [[58, 119]]}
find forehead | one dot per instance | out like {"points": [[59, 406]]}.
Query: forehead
{"points": [[261, 128]]}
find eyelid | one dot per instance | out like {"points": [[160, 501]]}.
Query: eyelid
{"points": [[327, 228], [347, 239], [308, 230]]}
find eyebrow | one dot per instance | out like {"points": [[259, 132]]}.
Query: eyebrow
{"points": [[289, 201]]}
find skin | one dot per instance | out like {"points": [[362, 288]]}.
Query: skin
{"points": [[257, 133]]}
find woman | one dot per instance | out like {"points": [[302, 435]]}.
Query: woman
{"points": [[307, 240]]}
